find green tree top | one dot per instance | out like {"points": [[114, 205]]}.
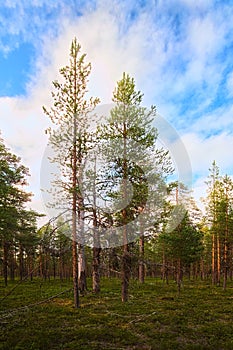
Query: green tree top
{"points": [[125, 91], [69, 95]]}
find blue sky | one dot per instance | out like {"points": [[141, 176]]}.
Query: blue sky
{"points": [[180, 53]]}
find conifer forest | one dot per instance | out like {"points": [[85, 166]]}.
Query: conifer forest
{"points": [[128, 260]]}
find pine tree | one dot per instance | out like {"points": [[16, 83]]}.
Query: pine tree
{"points": [[183, 244], [71, 143], [224, 223], [211, 208], [14, 218], [128, 144]]}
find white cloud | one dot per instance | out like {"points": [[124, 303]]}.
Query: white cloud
{"points": [[203, 151], [197, 4], [22, 128], [215, 122], [167, 63], [22, 119], [203, 38], [230, 84], [109, 51]]}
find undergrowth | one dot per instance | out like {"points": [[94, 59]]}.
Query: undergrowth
{"points": [[155, 317]]}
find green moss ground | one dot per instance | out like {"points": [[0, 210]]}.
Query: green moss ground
{"points": [[155, 317]]}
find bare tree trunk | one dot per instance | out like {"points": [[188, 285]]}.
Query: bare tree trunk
{"points": [[96, 270], [12, 263], [141, 259], [82, 278], [54, 267], [96, 239], [213, 260], [218, 261], [31, 266], [178, 275], [46, 266], [225, 266], [61, 263], [21, 262], [194, 267], [40, 262], [82, 268], [125, 272], [96, 257], [5, 261], [74, 211], [74, 254], [202, 268], [164, 268], [225, 254]]}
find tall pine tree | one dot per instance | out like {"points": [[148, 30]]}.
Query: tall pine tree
{"points": [[71, 142], [129, 138]]}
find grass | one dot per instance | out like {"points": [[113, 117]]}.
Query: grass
{"points": [[155, 317]]}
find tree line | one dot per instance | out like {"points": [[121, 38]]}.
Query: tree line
{"points": [[118, 213], [18, 227]]}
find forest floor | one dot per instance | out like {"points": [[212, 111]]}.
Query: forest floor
{"points": [[155, 317]]}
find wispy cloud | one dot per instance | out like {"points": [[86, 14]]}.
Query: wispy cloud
{"points": [[180, 53]]}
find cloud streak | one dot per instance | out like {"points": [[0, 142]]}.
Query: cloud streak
{"points": [[178, 51]]}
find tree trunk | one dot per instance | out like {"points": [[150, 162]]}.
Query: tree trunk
{"points": [[31, 266], [5, 261], [125, 273], [74, 200], [141, 259], [96, 270], [96, 257], [82, 281], [96, 240], [82, 278], [61, 263], [21, 262], [225, 266], [12, 263], [218, 261], [40, 263], [213, 260], [178, 276], [164, 268], [54, 267], [202, 268], [74, 223], [75, 275]]}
